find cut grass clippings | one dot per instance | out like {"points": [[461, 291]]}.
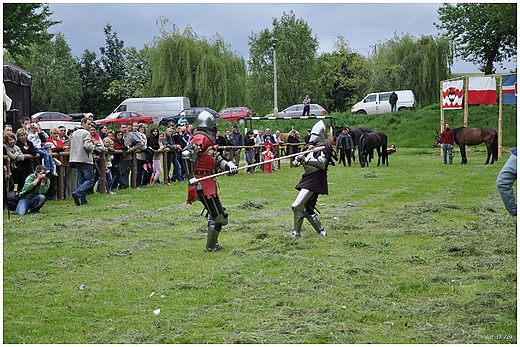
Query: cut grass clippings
{"points": [[416, 252]]}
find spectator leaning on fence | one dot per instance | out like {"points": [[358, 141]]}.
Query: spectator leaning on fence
{"points": [[26, 166], [34, 136], [132, 141], [237, 139], [15, 154]]}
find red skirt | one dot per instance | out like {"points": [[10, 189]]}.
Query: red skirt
{"points": [[209, 189]]}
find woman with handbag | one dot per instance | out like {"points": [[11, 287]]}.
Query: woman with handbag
{"points": [[25, 168]]}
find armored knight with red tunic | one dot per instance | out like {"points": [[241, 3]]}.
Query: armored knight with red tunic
{"points": [[201, 158]]}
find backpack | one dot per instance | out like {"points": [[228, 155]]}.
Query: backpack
{"points": [[12, 200]]}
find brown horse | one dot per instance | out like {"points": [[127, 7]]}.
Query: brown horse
{"points": [[472, 137]]}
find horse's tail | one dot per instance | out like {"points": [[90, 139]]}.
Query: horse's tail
{"points": [[384, 147], [494, 147]]}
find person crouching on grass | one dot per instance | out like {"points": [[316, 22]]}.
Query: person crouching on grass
{"points": [[33, 192]]}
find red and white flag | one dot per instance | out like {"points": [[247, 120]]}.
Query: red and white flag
{"points": [[452, 95], [482, 90]]}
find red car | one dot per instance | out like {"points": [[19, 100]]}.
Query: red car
{"points": [[125, 117], [48, 116], [232, 114]]}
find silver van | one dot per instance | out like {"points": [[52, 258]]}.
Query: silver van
{"points": [[378, 103], [158, 108]]}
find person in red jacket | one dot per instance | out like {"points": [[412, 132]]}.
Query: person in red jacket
{"points": [[447, 140], [201, 158]]}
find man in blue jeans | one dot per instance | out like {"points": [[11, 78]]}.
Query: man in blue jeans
{"points": [[33, 192], [81, 148], [447, 141], [505, 181]]}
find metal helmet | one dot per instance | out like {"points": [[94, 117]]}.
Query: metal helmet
{"points": [[318, 133], [206, 120]]}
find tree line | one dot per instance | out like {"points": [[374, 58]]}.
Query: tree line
{"points": [[182, 63]]}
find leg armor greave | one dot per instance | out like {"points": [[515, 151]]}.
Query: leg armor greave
{"points": [[216, 219], [213, 232], [316, 223], [298, 207]]}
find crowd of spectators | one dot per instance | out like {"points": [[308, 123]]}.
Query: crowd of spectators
{"points": [[149, 145]]}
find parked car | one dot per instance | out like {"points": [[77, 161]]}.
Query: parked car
{"points": [[234, 114], [48, 116], [378, 103], [297, 110], [155, 107], [77, 117], [190, 114], [125, 117], [46, 126]]}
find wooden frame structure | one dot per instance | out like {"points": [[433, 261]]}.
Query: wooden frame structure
{"points": [[466, 80]]}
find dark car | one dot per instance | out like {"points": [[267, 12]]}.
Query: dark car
{"points": [[77, 117], [190, 114], [234, 114], [128, 117], [48, 116]]}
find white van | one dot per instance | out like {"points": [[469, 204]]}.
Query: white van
{"points": [[377, 103], [158, 108]]}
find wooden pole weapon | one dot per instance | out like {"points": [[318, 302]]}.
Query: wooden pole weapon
{"points": [[316, 149]]}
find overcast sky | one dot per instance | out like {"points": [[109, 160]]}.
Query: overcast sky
{"points": [[363, 25]]}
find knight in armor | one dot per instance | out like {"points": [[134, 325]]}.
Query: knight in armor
{"points": [[201, 159], [313, 182]]}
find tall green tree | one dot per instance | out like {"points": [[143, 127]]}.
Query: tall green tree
{"points": [[112, 58], [93, 82], [342, 75], [484, 33], [112, 55], [25, 24], [205, 71], [296, 61], [135, 80], [411, 63], [56, 84]]}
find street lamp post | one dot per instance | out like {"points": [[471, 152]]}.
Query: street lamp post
{"points": [[273, 41]]}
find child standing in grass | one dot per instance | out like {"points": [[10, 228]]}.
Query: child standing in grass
{"points": [[268, 154]]}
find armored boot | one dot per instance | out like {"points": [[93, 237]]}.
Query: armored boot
{"points": [[298, 220], [316, 223], [212, 239]]}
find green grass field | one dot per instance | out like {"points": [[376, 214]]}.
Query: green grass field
{"points": [[416, 252]]}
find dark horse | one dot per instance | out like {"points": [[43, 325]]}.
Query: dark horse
{"points": [[474, 136], [368, 142], [358, 131]]}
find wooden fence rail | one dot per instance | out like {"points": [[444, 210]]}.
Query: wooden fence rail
{"points": [[63, 157]]}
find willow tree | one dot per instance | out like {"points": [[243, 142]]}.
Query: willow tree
{"points": [[296, 61], [412, 63], [206, 71]]}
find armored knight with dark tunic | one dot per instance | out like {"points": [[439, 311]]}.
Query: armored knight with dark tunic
{"points": [[202, 158], [313, 182]]}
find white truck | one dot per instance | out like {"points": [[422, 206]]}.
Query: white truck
{"points": [[378, 103], [158, 108]]}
